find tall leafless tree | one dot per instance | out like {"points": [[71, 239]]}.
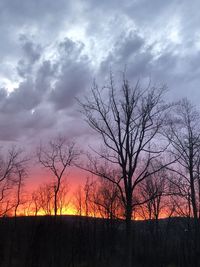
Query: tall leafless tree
{"points": [[129, 122]]}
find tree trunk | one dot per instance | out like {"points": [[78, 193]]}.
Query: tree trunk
{"points": [[193, 199], [199, 197], [129, 244], [195, 214], [55, 203]]}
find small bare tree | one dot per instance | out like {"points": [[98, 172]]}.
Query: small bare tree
{"points": [[78, 201], [57, 156], [45, 194], [9, 178], [153, 191], [21, 174], [87, 192], [107, 200], [63, 197], [35, 202]]}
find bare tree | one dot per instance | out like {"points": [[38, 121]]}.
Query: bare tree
{"points": [[107, 199], [56, 157], [198, 181], [21, 174], [45, 194], [87, 187], [78, 201], [183, 133], [35, 202], [153, 191], [84, 198], [129, 122], [63, 198], [9, 177]]}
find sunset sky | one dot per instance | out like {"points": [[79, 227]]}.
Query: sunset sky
{"points": [[51, 51]]}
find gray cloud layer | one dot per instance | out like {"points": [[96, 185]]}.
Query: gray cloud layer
{"points": [[50, 52]]}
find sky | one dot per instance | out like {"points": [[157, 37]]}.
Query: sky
{"points": [[51, 51]]}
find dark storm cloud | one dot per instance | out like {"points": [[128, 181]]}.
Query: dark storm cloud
{"points": [[73, 79], [131, 52], [74, 74], [44, 76], [31, 53]]}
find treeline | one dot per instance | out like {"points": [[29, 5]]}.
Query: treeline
{"points": [[160, 195], [67, 241]]}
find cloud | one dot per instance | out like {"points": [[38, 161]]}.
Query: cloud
{"points": [[51, 51], [47, 85], [131, 53], [74, 74], [31, 55]]}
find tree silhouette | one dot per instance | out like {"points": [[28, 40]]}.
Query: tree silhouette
{"points": [[56, 156], [12, 169], [129, 122]]}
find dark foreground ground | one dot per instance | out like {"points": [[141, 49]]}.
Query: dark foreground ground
{"points": [[72, 241]]}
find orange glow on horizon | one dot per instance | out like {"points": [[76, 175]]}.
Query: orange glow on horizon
{"points": [[67, 211], [70, 210]]}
